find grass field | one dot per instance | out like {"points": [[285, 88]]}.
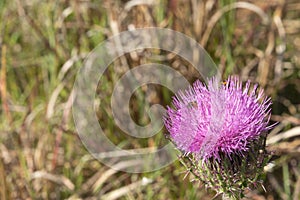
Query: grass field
{"points": [[44, 43]]}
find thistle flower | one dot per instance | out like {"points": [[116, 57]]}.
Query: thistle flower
{"points": [[221, 127], [218, 118]]}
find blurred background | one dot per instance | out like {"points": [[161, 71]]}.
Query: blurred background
{"points": [[44, 43]]}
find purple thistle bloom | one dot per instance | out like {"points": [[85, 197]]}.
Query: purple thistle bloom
{"points": [[213, 120]]}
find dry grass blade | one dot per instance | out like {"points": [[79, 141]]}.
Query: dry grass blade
{"points": [[281, 47], [4, 191], [133, 3], [68, 64], [53, 98], [289, 118], [119, 166], [297, 190], [3, 91], [7, 158], [66, 113], [126, 189], [29, 119], [59, 179], [265, 60], [285, 135], [114, 26], [121, 153], [198, 15]]}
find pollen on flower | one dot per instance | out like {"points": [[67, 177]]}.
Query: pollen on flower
{"points": [[216, 119]]}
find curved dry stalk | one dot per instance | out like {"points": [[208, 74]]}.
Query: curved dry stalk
{"points": [[216, 17], [59, 179]]}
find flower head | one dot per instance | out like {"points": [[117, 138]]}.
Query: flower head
{"points": [[217, 119]]}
